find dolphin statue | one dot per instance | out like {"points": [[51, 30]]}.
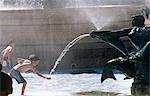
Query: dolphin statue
{"points": [[125, 65]]}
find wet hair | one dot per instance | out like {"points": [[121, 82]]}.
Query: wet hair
{"points": [[138, 20], [0, 67], [10, 42], [33, 57]]}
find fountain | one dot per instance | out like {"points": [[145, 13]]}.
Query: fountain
{"points": [[36, 25], [115, 42], [73, 42], [134, 64]]}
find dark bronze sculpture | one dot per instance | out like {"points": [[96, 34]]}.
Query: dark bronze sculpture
{"points": [[134, 64]]}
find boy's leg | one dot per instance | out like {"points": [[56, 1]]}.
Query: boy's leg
{"points": [[23, 88], [9, 63], [16, 74]]}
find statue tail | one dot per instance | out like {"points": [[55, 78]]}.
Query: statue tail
{"points": [[107, 73]]}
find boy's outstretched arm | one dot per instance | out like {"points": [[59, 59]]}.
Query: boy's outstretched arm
{"points": [[39, 74], [21, 60]]}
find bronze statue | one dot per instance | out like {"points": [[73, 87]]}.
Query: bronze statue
{"points": [[134, 64]]}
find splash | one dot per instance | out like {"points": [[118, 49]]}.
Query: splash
{"points": [[66, 49], [107, 13]]}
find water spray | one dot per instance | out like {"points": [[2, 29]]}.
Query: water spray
{"points": [[66, 49]]}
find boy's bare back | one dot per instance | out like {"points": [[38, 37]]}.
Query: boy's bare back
{"points": [[24, 65], [7, 52]]}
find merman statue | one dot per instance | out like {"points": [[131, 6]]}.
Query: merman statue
{"points": [[134, 64]]}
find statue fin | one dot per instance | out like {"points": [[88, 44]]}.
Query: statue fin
{"points": [[107, 73]]}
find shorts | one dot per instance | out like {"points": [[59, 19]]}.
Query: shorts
{"points": [[17, 76], [7, 62], [5, 58]]}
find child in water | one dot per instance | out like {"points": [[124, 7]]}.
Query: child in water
{"points": [[23, 66], [6, 55]]}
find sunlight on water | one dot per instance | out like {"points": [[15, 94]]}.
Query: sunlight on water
{"points": [[68, 85], [73, 42]]}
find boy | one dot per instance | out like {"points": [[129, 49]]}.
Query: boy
{"points": [[23, 66], [6, 56]]}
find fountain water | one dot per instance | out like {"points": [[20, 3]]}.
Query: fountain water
{"points": [[105, 13], [77, 83], [73, 42], [99, 18]]}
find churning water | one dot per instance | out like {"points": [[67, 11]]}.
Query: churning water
{"points": [[69, 85]]}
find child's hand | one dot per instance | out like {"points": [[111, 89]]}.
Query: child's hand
{"points": [[49, 78]]}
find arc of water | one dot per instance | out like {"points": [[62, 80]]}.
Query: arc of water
{"points": [[73, 42]]}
